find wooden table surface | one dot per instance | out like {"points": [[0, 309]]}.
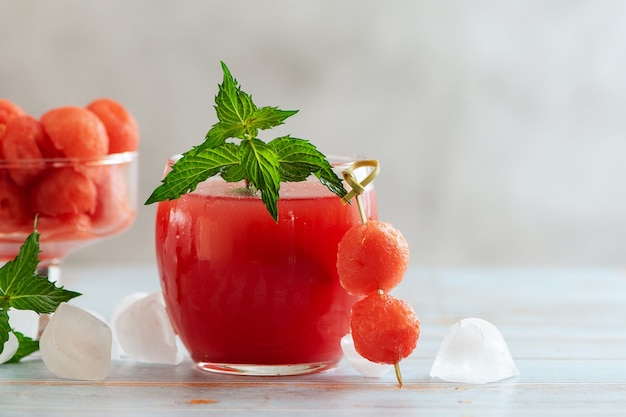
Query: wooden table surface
{"points": [[566, 329]]}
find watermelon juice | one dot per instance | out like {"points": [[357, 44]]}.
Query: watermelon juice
{"points": [[250, 295]]}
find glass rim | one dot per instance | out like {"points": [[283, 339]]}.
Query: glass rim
{"points": [[108, 159]]}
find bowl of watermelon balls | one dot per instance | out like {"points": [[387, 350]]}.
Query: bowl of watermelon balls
{"points": [[71, 174]]}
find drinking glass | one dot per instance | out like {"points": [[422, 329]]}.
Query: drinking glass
{"points": [[250, 295]]}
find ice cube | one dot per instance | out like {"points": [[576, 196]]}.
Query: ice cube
{"points": [[474, 352], [10, 347], [76, 345], [125, 303], [144, 331], [117, 351], [364, 366]]}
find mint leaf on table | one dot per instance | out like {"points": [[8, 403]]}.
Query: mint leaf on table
{"points": [[5, 328], [26, 346], [262, 165], [38, 294], [23, 289], [23, 266]]}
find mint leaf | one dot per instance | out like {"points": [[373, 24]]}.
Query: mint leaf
{"points": [[238, 115], [217, 135], [22, 267], [299, 158], [194, 168], [269, 117], [329, 178], [262, 165], [4, 327], [234, 173], [22, 288], [26, 347], [234, 107], [38, 294]]}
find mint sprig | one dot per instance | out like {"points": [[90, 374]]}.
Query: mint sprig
{"points": [[23, 289], [263, 165]]}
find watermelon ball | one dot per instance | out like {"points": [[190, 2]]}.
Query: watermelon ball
{"points": [[385, 329], [21, 138], [371, 257], [63, 191], [113, 209], [76, 131], [47, 148], [9, 110], [62, 227], [120, 124], [13, 207]]}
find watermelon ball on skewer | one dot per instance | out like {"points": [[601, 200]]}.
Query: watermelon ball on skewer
{"points": [[371, 257], [385, 329]]}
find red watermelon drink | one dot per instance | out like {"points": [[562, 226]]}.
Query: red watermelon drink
{"points": [[247, 231], [248, 294]]}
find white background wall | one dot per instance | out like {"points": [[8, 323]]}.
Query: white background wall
{"points": [[499, 125]]}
